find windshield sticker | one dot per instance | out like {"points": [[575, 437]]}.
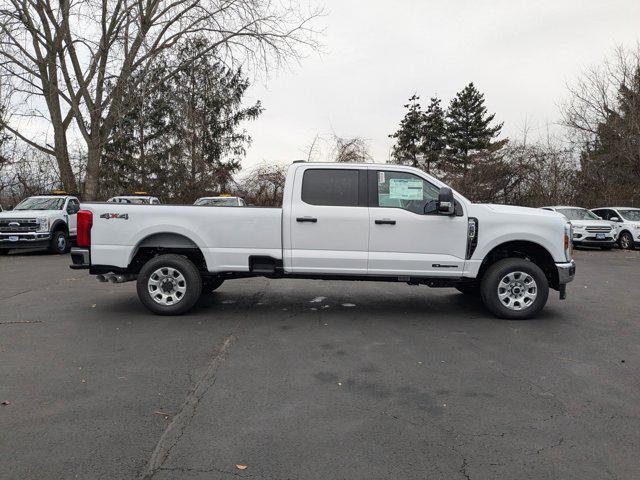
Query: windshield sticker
{"points": [[405, 189]]}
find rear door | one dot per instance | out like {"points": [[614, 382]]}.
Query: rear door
{"points": [[329, 221], [403, 239]]}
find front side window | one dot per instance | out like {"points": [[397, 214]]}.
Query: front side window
{"points": [[405, 191], [631, 215], [41, 203], [330, 187]]}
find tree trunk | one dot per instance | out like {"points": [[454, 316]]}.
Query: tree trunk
{"points": [[64, 164], [93, 171]]}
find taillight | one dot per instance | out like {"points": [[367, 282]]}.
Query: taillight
{"points": [[85, 222]]}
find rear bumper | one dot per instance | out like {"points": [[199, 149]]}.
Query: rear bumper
{"points": [[80, 258], [24, 240]]}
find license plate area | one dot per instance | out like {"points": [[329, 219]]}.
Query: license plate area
{"points": [[599, 236], [14, 238]]}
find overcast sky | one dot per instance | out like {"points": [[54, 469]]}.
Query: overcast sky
{"points": [[519, 53]]}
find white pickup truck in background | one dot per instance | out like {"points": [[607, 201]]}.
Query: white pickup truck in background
{"points": [[337, 222]]}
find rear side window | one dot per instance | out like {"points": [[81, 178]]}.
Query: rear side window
{"points": [[330, 187]]}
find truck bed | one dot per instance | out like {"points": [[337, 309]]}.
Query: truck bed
{"points": [[227, 236]]}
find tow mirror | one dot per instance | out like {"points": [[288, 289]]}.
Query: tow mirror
{"points": [[446, 204]]}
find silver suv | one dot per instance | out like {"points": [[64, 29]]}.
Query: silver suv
{"points": [[588, 229]]}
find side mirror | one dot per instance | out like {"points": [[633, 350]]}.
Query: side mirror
{"points": [[446, 204], [614, 219]]}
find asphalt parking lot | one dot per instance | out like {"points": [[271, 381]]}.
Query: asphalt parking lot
{"points": [[317, 380]]}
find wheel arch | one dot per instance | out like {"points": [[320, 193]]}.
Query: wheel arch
{"points": [[160, 243], [527, 249], [59, 225]]}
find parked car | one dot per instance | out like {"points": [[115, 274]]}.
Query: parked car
{"points": [[221, 201], [338, 222], [43, 221], [626, 221], [138, 198], [588, 229]]}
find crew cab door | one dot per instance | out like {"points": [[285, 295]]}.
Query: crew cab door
{"points": [[329, 222], [403, 239], [72, 208]]}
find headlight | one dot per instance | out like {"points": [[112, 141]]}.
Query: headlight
{"points": [[568, 241], [43, 224], [578, 227], [637, 227]]}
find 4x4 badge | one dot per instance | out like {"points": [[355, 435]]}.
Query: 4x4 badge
{"points": [[122, 216]]}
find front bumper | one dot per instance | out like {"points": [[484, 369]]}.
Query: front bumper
{"points": [[10, 241], [80, 258], [566, 274]]}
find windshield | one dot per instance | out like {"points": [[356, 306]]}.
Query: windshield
{"points": [[218, 202], [632, 215], [40, 203], [577, 214]]}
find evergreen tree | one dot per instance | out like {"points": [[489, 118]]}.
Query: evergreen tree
{"points": [[181, 138], [408, 148], [434, 135], [469, 132]]}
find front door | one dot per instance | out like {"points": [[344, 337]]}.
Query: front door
{"points": [[329, 222], [73, 206], [404, 240]]}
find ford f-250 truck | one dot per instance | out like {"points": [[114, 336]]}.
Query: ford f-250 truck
{"points": [[337, 222]]}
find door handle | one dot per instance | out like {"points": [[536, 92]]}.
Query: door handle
{"points": [[307, 219], [385, 222]]}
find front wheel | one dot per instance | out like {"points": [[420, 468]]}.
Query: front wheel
{"points": [[169, 285], [59, 242], [626, 241], [514, 288]]}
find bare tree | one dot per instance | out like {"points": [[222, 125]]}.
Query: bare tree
{"points": [[264, 185], [350, 150], [77, 57]]}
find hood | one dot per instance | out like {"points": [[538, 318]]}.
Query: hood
{"points": [[589, 223], [28, 213], [513, 210]]}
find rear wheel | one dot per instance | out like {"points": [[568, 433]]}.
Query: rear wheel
{"points": [[59, 242], [626, 241], [514, 288], [169, 285]]}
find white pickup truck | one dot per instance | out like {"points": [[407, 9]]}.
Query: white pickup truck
{"points": [[337, 222]]}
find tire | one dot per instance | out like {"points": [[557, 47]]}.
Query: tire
{"points": [[470, 290], [527, 294], [626, 241], [176, 281], [209, 284], [59, 243]]}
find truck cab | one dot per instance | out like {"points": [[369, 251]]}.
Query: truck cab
{"points": [[42, 221]]}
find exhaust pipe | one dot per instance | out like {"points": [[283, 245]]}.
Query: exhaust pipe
{"points": [[115, 278]]}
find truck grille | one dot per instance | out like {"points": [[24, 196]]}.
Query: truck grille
{"points": [[603, 229], [11, 225]]}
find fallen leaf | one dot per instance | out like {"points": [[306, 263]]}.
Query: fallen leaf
{"points": [[93, 306], [240, 466], [83, 381], [164, 414], [6, 402]]}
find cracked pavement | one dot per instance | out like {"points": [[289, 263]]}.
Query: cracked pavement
{"points": [[372, 381]]}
